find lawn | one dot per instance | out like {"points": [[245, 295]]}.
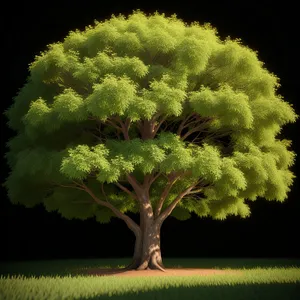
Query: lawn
{"points": [[260, 279]]}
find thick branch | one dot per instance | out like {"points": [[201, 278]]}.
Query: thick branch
{"points": [[124, 127], [149, 128], [155, 177], [130, 223], [138, 188], [146, 183], [123, 188], [170, 208], [164, 195]]}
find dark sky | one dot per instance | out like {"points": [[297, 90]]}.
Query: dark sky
{"points": [[272, 229]]}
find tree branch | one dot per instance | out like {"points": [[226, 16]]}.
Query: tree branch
{"points": [[129, 222], [159, 124], [173, 123], [135, 185], [171, 182], [76, 186], [170, 208], [196, 138], [71, 186], [102, 188], [123, 188], [147, 180], [113, 124], [181, 126], [124, 127], [195, 191], [155, 117], [218, 134], [155, 177], [200, 126]]}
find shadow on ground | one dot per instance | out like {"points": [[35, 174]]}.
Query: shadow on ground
{"points": [[65, 267], [221, 292]]}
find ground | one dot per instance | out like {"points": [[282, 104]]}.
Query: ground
{"points": [[142, 273]]}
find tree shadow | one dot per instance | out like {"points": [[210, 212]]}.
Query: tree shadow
{"points": [[97, 271], [272, 291]]}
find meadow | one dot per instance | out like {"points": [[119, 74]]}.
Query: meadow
{"points": [[58, 279]]}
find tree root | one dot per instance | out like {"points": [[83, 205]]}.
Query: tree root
{"points": [[159, 267], [148, 264], [155, 263]]}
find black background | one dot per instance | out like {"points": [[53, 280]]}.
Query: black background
{"points": [[273, 228]]}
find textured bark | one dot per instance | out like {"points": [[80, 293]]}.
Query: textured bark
{"points": [[137, 256], [151, 252], [147, 252]]}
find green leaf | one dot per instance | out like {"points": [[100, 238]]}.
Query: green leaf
{"points": [[82, 92], [180, 214]]}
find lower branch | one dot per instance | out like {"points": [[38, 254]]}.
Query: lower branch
{"points": [[129, 222], [123, 188], [135, 184], [155, 177], [164, 194], [170, 208]]}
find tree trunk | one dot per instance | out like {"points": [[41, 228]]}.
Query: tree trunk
{"points": [[147, 252], [151, 252]]}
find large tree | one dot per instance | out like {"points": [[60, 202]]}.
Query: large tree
{"points": [[149, 115]]}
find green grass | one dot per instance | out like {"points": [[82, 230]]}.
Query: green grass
{"points": [[261, 279]]}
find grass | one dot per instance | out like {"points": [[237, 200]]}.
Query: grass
{"points": [[261, 279]]}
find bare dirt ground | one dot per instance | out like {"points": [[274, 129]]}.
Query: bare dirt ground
{"points": [[142, 273]]}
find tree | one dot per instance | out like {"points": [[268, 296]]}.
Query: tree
{"points": [[150, 115]]}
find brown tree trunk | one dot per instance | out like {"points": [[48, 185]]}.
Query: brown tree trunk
{"points": [[137, 253], [147, 252], [151, 253]]}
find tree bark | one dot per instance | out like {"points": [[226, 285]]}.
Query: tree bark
{"points": [[147, 251]]}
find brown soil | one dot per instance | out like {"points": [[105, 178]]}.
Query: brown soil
{"points": [[142, 273]]}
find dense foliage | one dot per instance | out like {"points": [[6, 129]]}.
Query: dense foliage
{"points": [[81, 91]]}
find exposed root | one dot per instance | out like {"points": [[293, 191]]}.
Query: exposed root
{"points": [[156, 265], [152, 264], [144, 266], [152, 261], [159, 261]]}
